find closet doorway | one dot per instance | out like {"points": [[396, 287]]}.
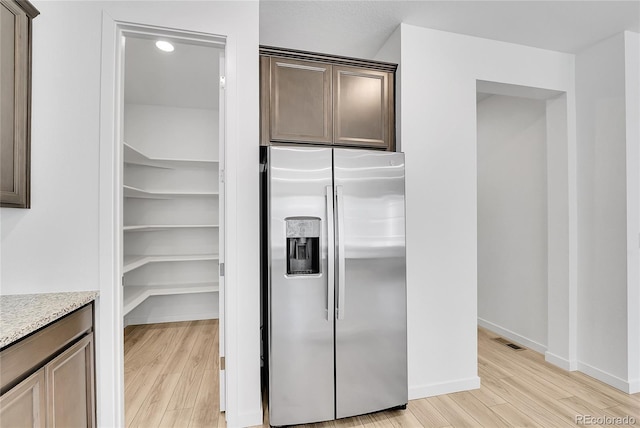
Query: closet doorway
{"points": [[526, 218], [172, 158], [512, 218]]}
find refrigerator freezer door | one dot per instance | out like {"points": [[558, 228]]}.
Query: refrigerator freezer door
{"points": [[301, 357], [371, 334]]}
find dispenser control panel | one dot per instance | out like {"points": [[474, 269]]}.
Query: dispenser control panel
{"points": [[303, 245]]}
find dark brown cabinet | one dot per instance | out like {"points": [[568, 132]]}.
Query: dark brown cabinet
{"points": [[70, 386], [322, 99], [363, 107], [15, 106], [57, 365], [301, 102], [24, 404]]}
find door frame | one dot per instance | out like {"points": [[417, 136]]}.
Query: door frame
{"points": [[562, 288], [108, 310]]}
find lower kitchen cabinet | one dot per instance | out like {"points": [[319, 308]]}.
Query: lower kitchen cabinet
{"points": [[70, 387], [57, 365], [24, 404]]}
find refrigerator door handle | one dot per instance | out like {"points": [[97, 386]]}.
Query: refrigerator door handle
{"points": [[331, 256], [341, 260]]}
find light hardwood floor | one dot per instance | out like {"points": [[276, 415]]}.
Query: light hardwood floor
{"points": [[171, 375], [171, 379]]}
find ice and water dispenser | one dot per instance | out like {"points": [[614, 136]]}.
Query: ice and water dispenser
{"points": [[303, 245]]}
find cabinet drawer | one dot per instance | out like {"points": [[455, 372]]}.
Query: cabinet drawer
{"points": [[22, 358]]}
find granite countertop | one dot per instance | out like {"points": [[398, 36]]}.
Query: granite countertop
{"points": [[22, 314]]}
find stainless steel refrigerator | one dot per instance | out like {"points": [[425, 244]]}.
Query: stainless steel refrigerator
{"points": [[336, 302]]}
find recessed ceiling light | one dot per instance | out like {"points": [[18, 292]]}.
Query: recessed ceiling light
{"points": [[164, 46]]}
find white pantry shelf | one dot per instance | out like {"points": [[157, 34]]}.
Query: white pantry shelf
{"points": [[155, 227], [134, 156], [134, 192], [172, 212], [134, 262], [134, 295]]}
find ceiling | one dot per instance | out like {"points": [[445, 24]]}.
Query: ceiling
{"points": [[187, 77], [360, 28]]}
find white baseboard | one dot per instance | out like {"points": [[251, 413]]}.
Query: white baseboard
{"points": [[157, 319], [504, 332], [609, 379], [561, 362], [247, 420], [223, 390], [429, 390]]}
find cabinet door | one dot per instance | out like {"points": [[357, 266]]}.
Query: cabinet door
{"points": [[23, 405], [14, 75], [300, 101], [70, 387], [363, 111]]}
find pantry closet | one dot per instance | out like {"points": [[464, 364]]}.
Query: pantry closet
{"points": [[172, 175]]}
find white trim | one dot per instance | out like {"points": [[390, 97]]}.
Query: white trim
{"points": [[632, 112], [634, 386], [223, 382], [230, 163], [242, 333], [249, 419], [511, 335], [152, 32], [572, 238], [605, 377], [562, 246], [429, 390], [561, 362], [109, 311], [222, 207], [109, 327]]}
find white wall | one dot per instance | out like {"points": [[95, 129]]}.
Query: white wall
{"points": [[391, 52], [172, 132], [55, 245], [632, 106], [608, 114], [439, 71], [562, 293], [512, 218], [602, 315]]}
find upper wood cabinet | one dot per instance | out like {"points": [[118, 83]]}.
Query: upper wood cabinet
{"points": [[363, 107], [328, 100], [15, 106], [300, 101]]}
